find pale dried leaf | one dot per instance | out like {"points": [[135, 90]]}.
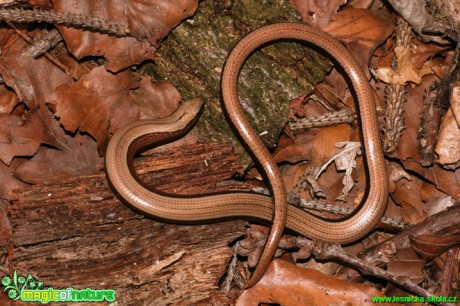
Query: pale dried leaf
{"points": [[448, 144], [396, 173], [346, 161], [438, 204], [454, 100]]}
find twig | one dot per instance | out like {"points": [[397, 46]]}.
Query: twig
{"points": [[331, 208], [51, 58], [332, 118], [326, 251], [68, 19], [42, 45]]}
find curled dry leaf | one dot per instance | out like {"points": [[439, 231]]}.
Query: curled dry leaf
{"points": [[149, 21], [407, 70], [346, 161], [286, 284], [101, 101]]}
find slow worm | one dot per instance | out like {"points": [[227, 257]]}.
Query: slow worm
{"points": [[133, 137]]}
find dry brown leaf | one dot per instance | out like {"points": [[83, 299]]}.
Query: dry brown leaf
{"points": [[448, 144], [361, 30], [407, 195], [32, 79], [22, 136], [33, 86], [149, 21], [430, 246], [8, 100], [406, 263], [8, 181], [101, 99], [316, 146], [318, 13], [396, 173], [51, 166], [286, 284], [445, 180]]}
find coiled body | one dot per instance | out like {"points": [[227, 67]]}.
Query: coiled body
{"points": [[131, 138]]}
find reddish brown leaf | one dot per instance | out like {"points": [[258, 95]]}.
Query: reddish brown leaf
{"points": [[406, 263], [8, 181], [8, 100], [34, 80], [22, 136], [100, 99], [360, 29], [407, 195], [429, 246], [287, 284], [149, 21], [50, 166]]}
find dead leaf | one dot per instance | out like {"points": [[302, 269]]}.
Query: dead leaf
{"points": [[8, 100], [396, 173], [149, 21], [361, 30], [454, 100], [430, 246], [22, 136], [437, 204], [78, 154], [407, 196], [52, 166], [448, 144], [101, 102], [406, 263], [33, 80], [8, 181], [318, 13], [286, 284]]}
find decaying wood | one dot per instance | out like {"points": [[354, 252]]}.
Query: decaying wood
{"points": [[79, 234]]}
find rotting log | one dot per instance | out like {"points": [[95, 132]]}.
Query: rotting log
{"points": [[79, 234]]}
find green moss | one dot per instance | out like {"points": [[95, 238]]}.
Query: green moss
{"points": [[192, 57]]}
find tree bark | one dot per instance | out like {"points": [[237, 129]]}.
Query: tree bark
{"points": [[79, 234]]}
